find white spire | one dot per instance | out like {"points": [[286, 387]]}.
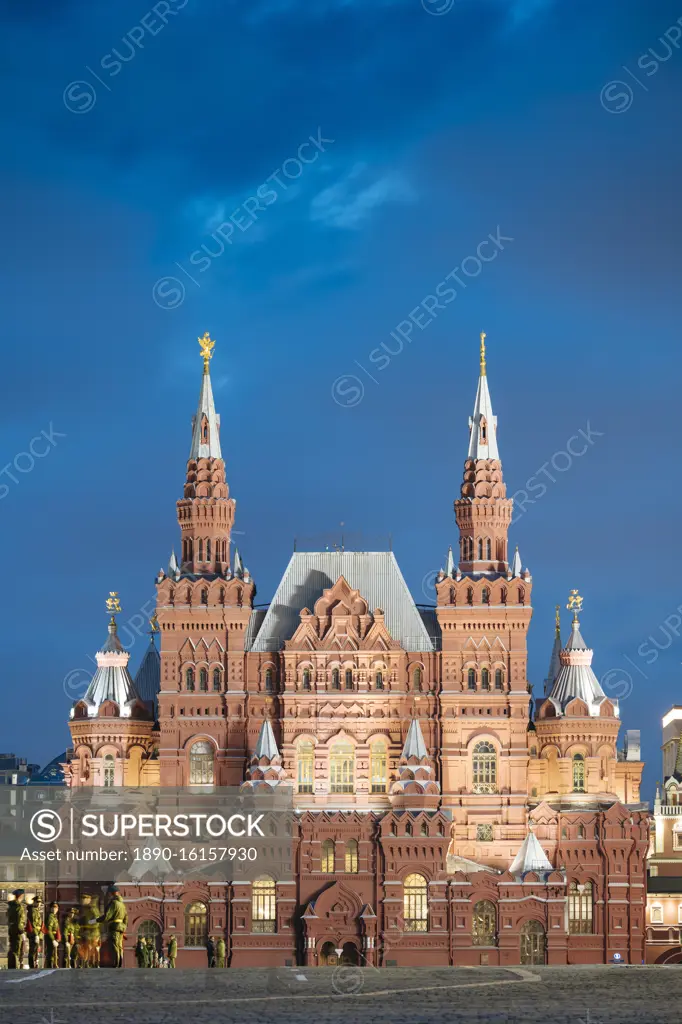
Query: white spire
{"points": [[516, 564], [554, 661], [531, 857], [238, 568], [266, 745], [414, 744], [173, 567], [483, 424], [450, 567], [206, 423]]}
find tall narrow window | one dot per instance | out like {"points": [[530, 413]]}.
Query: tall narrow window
{"points": [[196, 924], [488, 549], [578, 773], [580, 908], [342, 768], [306, 761], [216, 680], [503, 595], [208, 550], [470, 595], [417, 680], [484, 926], [378, 767], [415, 904], [485, 679], [189, 678], [521, 594], [498, 679], [200, 557], [349, 679], [201, 764], [203, 679], [328, 857], [336, 681], [268, 680], [485, 596], [379, 681], [263, 905], [109, 768], [480, 550], [351, 858], [306, 679], [471, 678], [484, 431], [484, 768]]}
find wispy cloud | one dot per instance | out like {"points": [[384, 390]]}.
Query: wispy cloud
{"points": [[349, 202]]}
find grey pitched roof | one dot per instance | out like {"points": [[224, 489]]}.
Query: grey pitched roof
{"points": [[414, 743], [112, 680], [375, 574], [148, 677], [554, 662], [266, 745], [576, 677]]}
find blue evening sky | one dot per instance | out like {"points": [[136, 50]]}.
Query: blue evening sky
{"points": [[132, 131]]}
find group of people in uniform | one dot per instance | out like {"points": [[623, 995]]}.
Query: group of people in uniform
{"points": [[81, 934]]}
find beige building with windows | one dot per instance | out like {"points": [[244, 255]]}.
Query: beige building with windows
{"points": [[664, 886]]}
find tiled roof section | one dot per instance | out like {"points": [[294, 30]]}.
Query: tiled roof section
{"points": [[375, 574], [148, 677]]}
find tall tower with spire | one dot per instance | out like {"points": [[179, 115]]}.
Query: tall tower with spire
{"points": [[484, 609], [203, 610]]}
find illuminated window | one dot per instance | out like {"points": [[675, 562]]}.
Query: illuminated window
{"points": [[328, 857], [484, 923], [109, 768], [351, 864], [415, 904], [484, 768], [578, 773], [196, 924], [263, 905], [201, 764], [342, 768], [677, 837], [306, 765], [580, 908], [378, 767]]}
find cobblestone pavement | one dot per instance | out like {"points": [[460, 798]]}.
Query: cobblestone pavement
{"points": [[546, 995]]}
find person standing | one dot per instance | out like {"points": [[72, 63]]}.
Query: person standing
{"points": [[34, 928], [16, 927], [220, 952], [210, 951], [116, 920], [71, 938], [88, 933], [172, 950], [141, 952], [53, 937]]}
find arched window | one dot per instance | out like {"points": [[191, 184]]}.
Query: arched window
{"points": [[471, 678], [485, 679], [423, 829], [480, 550], [470, 595], [379, 681], [349, 678], [471, 549], [151, 933], [581, 831], [189, 678], [342, 768], [521, 595], [268, 680], [306, 679], [580, 908], [488, 549], [336, 680], [408, 828], [378, 767], [351, 859], [503, 595], [200, 549], [208, 550], [484, 924], [484, 430], [305, 756], [485, 596], [484, 767], [263, 905], [417, 680], [201, 763], [217, 682], [415, 904], [204, 596], [196, 924], [109, 769], [328, 857], [578, 773], [203, 679], [499, 680]]}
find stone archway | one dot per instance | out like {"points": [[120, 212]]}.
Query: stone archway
{"points": [[533, 943], [671, 956], [347, 957]]}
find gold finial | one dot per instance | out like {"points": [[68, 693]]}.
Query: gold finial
{"points": [[575, 602], [207, 347], [483, 337], [557, 617], [113, 603], [154, 624]]}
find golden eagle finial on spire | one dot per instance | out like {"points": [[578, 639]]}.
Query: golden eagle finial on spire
{"points": [[483, 337], [207, 347], [575, 602], [113, 606]]}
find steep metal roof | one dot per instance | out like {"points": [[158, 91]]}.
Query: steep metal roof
{"points": [[266, 745], [148, 677], [375, 574], [208, 446], [414, 743], [576, 677], [531, 857], [483, 443], [112, 680]]}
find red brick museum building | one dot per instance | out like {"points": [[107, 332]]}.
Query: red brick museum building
{"points": [[444, 817]]}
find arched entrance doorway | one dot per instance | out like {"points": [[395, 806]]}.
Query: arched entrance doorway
{"points": [[151, 933], [333, 956], [533, 943], [671, 956]]}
